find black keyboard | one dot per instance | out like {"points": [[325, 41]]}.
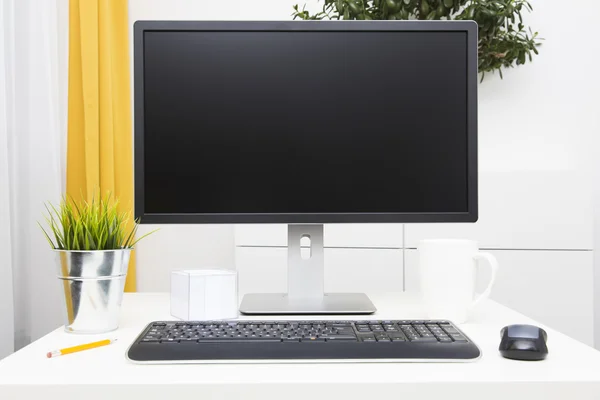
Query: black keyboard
{"points": [[280, 341]]}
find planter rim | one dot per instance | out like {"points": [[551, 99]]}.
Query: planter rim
{"points": [[91, 251]]}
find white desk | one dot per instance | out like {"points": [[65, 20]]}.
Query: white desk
{"points": [[572, 370]]}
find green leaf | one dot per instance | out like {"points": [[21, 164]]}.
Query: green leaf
{"points": [[441, 11], [424, 8], [140, 238], [393, 6], [448, 3], [355, 8], [47, 236]]}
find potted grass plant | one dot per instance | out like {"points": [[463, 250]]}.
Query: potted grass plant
{"points": [[93, 242]]}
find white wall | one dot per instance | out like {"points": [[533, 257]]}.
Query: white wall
{"points": [[7, 317], [213, 9], [543, 115], [596, 179], [596, 187], [181, 247]]}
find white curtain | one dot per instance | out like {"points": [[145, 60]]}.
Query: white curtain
{"points": [[33, 104]]}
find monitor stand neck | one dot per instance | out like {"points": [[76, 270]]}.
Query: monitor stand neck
{"points": [[306, 267], [306, 262]]}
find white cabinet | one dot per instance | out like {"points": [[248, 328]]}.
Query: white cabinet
{"points": [[264, 270], [553, 287]]}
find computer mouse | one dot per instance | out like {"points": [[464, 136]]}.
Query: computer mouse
{"points": [[523, 342]]}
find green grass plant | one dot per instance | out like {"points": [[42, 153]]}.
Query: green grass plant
{"points": [[94, 225]]}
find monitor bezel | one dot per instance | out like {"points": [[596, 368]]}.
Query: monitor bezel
{"points": [[471, 215]]}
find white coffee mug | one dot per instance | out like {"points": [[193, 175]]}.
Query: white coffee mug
{"points": [[447, 270]]}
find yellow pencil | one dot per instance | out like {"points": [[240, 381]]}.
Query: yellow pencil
{"points": [[81, 347]]}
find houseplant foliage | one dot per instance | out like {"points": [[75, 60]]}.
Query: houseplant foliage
{"points": [[504, 40], [95, 225]]}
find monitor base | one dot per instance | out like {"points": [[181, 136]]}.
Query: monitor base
{"points": [[330, 303]]}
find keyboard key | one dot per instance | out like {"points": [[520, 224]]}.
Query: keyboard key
{"points": [[424, 339], [341, 338], [445, 340], [313, 339], [382, 338], [457, 337], [397, 337], [369, 340]]}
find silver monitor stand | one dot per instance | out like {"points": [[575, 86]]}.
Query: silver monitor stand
{"points": [[305, 282]]}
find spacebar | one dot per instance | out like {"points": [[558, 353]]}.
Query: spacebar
{"points": [[237, 340]]}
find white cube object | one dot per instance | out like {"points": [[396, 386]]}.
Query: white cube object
{"points": [[204, 294]]}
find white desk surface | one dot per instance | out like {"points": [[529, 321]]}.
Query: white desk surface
{"points": [[571, 371]]}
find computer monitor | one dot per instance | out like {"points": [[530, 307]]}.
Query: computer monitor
{"points": [[305, 123]]}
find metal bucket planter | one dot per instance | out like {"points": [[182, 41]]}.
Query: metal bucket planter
{"points": [[93, 284]]}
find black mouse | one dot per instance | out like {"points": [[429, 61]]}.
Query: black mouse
{"points": [[523, 342]]}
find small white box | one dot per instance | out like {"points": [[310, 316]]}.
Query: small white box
{"points": [[204, 294]]}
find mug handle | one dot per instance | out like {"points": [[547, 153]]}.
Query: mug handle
{"points": [[493, 263]]}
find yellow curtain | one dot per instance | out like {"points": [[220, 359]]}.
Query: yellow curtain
{"points": [[99, 149]]}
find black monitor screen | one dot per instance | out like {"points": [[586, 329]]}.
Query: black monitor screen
{"points": [[305, 122]]}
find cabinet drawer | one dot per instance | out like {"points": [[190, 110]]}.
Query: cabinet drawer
{"points": [[264, 270], [336, 235]]}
